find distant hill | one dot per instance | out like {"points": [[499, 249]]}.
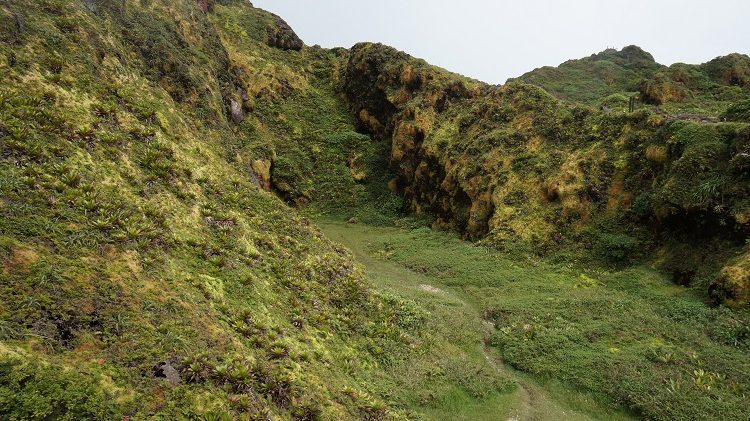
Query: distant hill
{"points": [[590, 79], [608, 79]]}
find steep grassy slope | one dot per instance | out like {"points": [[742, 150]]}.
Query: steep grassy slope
{"points": [[148, 268], [523, 170], [299, 137]]}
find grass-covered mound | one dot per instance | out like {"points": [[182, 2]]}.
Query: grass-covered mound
{"points": [[591, 79]]}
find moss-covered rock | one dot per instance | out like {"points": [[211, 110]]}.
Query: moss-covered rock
{"points": [[281, 35], [732, 285]]}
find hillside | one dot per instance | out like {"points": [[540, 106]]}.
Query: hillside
{"points": [[523, 170], [608, 79], [164, 167], [601, 76], [149, 266]]}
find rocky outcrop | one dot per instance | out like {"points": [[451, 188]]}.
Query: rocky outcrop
{"points": [[282, 36], [164, 370], [732, 286], [261, 173], [91, 5], [396, 97], [236, 111], [731, 70]]}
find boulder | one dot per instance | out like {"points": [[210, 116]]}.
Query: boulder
{"points": [[91, 5], [282, 36], [237, 113], [262, 173], [732, 286], [164, 370]]}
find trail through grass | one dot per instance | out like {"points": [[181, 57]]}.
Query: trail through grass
{"points": [[456, 315]]}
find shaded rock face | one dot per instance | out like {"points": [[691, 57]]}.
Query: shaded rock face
{"points": [[732, 286], [282, 36], [261, 173], [380, 82], [12, 24], [365, 86]]}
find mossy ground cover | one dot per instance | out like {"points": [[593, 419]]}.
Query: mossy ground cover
{"points": [[451, 379], [629, 337], [152, 153], [136, 234], [454, 380]]}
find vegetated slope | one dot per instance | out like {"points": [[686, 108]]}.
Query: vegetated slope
{"points": [[592, 79], [148, 268], [523, 170], [609, 78]]}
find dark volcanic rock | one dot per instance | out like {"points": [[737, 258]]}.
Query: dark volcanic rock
{"points": [[282, 36], [206, 5]]}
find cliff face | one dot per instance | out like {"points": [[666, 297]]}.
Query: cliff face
{"points": [[519, 168]]}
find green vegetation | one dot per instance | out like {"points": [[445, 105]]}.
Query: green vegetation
{"points": [[452, 378], [599, 76], [161, 161], [606, 79], [739, 111], [524, 171], [627, 336], [138, 241]]}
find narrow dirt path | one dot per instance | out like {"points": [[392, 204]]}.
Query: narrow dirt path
{"points": [[532, 402]]}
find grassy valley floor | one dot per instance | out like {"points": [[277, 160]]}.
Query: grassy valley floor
{"points": [[393, 262]]}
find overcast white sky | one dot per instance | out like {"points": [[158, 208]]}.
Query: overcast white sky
{"points": [[495, 40]]}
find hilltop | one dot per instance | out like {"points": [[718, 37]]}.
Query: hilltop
{"points": [[608, 79]]}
